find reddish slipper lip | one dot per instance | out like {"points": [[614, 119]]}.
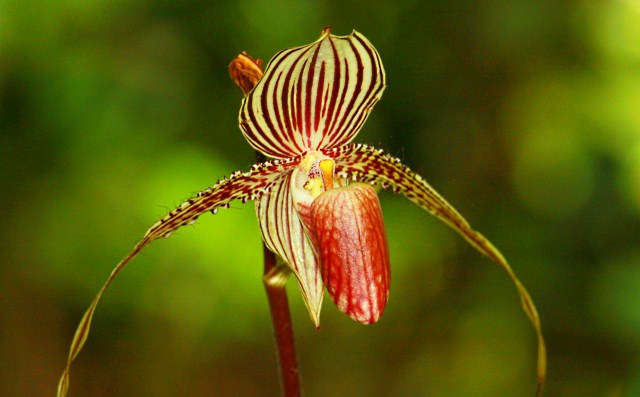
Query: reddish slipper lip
{"points": [[349, 237]]}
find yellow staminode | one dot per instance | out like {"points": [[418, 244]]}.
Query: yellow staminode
{"points": [[326, 168]]}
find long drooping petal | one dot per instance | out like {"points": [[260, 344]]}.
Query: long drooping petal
{"points": [[364, 163], [283, 233], [239, 186], [313, 96]]}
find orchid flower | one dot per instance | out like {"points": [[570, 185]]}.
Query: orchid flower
{"points": [[315, 201]]}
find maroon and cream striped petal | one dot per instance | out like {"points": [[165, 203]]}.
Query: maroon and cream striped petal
{"points": [[313, 97], [283, 233], [239, 186], [367, 164]]}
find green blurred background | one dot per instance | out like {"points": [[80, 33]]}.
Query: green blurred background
{"points": [[525, 115]]}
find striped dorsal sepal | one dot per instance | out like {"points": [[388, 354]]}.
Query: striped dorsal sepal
{"points": [[312, 97]]}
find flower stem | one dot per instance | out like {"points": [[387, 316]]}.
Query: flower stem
{"points": [[246, 72], [274, 278], [282, 328]]}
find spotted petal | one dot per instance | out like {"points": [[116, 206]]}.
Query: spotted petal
{"points": [[313, 97], [364, 163], [239, 186]]}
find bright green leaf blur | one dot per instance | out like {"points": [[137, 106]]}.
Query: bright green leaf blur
{"points": [[524, 115]]}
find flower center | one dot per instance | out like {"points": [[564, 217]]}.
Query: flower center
{"points": [[314, 175]]}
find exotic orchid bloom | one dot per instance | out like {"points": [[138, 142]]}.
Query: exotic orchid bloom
{"points": [[315, 201]]}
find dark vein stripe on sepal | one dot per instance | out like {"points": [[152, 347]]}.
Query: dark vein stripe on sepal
{"points": [[313, 97]]}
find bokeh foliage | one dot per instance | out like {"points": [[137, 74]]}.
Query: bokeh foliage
{"points": [[522, 114]]}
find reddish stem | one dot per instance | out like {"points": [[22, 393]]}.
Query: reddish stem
{"points": [[283, 330], [246, 72], [282, 327]]}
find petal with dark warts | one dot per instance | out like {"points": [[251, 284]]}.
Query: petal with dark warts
{"points": [[239, 186], [367, 164]]}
